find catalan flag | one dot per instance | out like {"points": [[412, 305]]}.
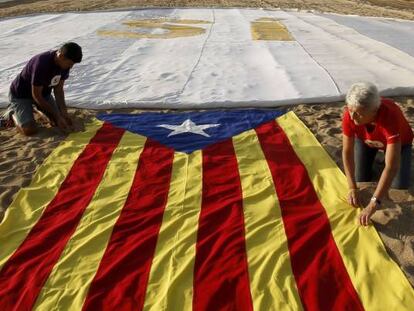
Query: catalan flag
{"points": [[216, 210]]}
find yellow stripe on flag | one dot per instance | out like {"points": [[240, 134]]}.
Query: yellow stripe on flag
{"points": [[272, 282], [68, 284], [379, 281], [30, 202], [171, 278]]}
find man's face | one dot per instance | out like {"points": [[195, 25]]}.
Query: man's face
{"points": [[64, 62], [361, 115], [67, 64]]}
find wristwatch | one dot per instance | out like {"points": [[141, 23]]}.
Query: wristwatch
{"points": [[376, 200]]}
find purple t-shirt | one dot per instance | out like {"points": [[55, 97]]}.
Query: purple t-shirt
{"points": [[41, 70]]}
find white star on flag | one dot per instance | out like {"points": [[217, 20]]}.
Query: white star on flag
{"points": [[188, 126]]}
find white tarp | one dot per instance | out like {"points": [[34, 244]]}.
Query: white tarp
{"points": [[224, 66]]}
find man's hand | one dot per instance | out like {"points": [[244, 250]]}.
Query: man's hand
{"points": [[367, 212], [354, 197], [62, 124], [68, 119]]}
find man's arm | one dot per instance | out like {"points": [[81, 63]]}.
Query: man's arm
{"points": [[38, 97], [348, 160], [392, 164], [349, 167], [60, 101], [60, 97]]}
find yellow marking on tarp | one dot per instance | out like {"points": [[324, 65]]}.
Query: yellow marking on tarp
{"points": [[171, 28], [270, 29]]}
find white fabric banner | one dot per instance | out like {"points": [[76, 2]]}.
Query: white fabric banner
{"points": [[206, 58]]}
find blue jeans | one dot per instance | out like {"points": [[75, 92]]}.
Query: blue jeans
{"points": [[364, 160]]}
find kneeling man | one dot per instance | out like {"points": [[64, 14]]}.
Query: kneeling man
{"points": [[31, 89]]}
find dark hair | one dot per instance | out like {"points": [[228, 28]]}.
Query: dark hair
{"points": [[72, 51]]}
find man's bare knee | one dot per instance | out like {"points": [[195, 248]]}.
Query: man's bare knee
{"points": [[28, 130]]}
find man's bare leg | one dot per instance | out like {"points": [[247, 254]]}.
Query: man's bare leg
{"points": [[27, 129]]}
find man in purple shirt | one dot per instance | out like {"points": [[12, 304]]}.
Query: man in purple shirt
{"points": [[32, 88]]}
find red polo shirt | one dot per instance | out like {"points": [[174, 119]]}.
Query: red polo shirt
{"points": [[390, 127]]}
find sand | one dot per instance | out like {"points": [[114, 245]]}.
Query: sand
{"points": [[396, 8], [21, 156]]}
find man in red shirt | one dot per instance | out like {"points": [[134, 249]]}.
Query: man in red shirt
{"points": [[371, 123]]}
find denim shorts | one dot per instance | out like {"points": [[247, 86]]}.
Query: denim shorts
{"points": [[22, 109]]}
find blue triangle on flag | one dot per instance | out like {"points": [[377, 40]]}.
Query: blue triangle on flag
{"points": [[190, 131]]}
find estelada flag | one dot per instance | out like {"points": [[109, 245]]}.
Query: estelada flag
{"points": [[217, 210]]}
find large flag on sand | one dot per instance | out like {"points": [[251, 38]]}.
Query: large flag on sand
{"points": [[218, 210]]}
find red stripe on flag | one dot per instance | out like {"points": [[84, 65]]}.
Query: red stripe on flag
{"points": [[24, 274], [320, 274], [121, 280], [221, 280]]}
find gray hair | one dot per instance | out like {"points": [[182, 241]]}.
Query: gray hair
{"points": [[363, 94]]}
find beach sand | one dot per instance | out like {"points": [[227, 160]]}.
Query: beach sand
{"points": [[396, 8], [21, 156]]}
